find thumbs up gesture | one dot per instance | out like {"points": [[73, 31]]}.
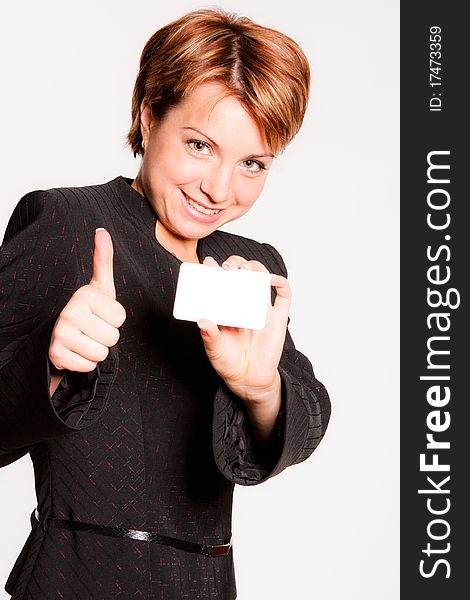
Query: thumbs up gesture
{"points": [[88, 325]]}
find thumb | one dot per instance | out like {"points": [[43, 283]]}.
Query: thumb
{"points": [[103, 254]]}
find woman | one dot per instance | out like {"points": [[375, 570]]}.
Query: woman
{"points": [[139, 425]]}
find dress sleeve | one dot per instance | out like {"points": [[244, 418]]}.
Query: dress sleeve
{"points": [[38, 275], [299, 428]]}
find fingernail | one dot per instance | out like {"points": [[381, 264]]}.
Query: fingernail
{"points": [[227, 264], [201, 327], [98, 228]]}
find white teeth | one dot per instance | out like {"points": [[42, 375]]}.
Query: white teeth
{"points": [[199, 208]]}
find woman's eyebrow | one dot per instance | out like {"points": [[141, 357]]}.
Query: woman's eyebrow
{"points": [[203, 134], [217, 145]]}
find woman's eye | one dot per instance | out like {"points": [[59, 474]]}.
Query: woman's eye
{"points": [[253, 165], [197, 146]]}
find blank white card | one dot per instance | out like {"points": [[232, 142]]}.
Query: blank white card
{"points": [[234, 297]]}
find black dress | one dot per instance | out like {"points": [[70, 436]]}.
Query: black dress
{"points": [[152, 439]]}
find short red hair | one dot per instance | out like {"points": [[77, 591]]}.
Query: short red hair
{"points": [[265, 69]]}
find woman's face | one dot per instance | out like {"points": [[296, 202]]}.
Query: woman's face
{"points": [[204, 165]]}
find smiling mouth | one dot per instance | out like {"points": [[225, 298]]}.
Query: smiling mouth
{"points": [[200, 208]]}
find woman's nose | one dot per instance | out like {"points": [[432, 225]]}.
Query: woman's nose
{"points": [[217, 184]]}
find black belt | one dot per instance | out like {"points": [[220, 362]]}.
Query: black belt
{"points": [[133, 534]]}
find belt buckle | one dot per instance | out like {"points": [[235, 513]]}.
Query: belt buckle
{"points": [[221, 550]]}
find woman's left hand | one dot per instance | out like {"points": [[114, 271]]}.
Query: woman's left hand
{"points": [[248, 359]]}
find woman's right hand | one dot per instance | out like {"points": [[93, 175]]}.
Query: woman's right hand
{"points": [[88, 325]]}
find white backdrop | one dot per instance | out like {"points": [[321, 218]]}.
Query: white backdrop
{"points": [[330, 207]]}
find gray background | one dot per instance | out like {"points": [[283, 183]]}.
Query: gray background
{"points": [[327, 528]]}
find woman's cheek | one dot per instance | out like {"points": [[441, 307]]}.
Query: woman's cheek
{"points": [[185, 171], [252, 192]]}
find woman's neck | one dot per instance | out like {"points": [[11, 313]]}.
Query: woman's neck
{"points": [[185, 250]]}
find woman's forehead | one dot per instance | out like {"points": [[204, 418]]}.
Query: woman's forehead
{"points": [[219, 115]]}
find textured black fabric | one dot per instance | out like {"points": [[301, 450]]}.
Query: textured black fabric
{"points": [[133, 534], [152, 439]]}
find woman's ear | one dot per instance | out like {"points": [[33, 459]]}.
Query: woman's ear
{"points": [[146, 118]]}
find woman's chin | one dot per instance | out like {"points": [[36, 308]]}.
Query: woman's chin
{"points": [[189, 231], [189, 228], [197, 232]]}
